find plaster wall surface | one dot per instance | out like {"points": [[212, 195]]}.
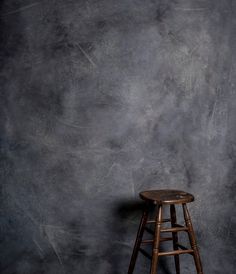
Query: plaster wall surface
{"points": [[100, 100]]}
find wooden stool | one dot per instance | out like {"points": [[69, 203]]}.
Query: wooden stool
{"points": [[160, 198]]}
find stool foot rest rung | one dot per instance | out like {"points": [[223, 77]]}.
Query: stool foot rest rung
{"points": [[161, 240], [174, 229], [176, 252], [154, 221]]}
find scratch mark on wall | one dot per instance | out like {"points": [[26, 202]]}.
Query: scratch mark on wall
{"points": [[20, 9], [213, 111], [59, 229], [52, 226], [52, 245], [174, 36], [190, 9], [70, 125], [86, 55], [191, 74], [27, 213], [72, 253], [71, 234], [193, 49], [41, 253], [109, 170]]}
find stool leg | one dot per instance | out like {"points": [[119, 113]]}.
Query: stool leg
{"points": [[192, 240], [156, 242], [175, 237], [138, 240]]}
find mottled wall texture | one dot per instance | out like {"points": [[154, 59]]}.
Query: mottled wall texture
{"points": [[99, 100]]}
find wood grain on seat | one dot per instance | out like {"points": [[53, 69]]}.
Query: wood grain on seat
{"points": [[167, 196]]}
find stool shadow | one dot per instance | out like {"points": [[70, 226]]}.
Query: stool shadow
{"points": [[126, 212]]}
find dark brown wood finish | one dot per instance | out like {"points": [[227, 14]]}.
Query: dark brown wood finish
{"points": [[138, 239], [175, 237], [161, 198], [165, 196], [156, 242], [192, 240]]}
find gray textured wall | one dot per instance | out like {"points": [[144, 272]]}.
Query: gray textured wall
{"points": [[100, 100]]}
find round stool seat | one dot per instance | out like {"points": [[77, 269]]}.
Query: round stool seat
{"points": [[167, 196]]}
